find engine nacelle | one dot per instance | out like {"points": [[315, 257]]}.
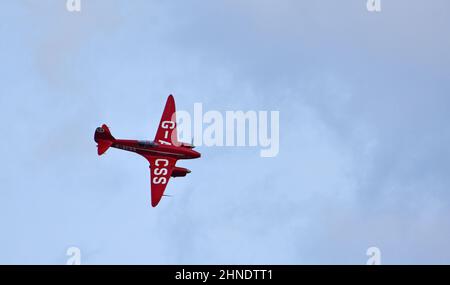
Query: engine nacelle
{"points": [[180, 171]]}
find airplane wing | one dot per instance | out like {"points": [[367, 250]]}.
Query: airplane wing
{"points": [[167, 128], [160, 173]]}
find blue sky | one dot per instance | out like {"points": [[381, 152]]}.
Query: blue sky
{"points": [[363, 100]]}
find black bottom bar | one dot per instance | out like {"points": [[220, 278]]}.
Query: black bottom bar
{"points": [[223, 273]]}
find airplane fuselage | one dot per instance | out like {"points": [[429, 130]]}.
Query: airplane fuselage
{"points": [[150, 148]]}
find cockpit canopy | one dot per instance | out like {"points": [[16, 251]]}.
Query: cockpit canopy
{"points": [[147, 143]]}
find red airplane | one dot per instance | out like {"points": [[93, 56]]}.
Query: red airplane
{"points": [[162, 153]]}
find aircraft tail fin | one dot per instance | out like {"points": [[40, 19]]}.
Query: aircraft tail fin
{"points": [[103, 138]]}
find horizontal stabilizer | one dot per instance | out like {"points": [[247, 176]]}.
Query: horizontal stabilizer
{"points": [[103, 146]]}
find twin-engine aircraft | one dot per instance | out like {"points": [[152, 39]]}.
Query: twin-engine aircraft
{"points": [[162, 153]]}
